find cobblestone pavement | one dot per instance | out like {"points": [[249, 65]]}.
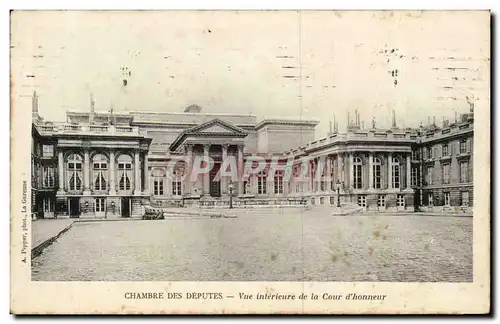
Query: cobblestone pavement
{"points": [[44, 229], [265, 245]]}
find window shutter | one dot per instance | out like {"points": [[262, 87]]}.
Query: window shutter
{"points": [[468, 145]]}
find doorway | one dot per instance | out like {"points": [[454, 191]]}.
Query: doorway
{"points": [[215, 185], [48, 207], [100, 207], [74, 207], [125, 207]]}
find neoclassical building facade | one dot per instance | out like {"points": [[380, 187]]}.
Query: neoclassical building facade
{"points": [[105, 164]]}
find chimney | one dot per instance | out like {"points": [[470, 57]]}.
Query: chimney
{"points": [[394, 125], [348, 119], [434, 120], [34, 107], [330, 126], [92, 109]]}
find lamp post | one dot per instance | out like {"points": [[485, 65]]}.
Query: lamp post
{"points": [[338, 193], [231, 187]]}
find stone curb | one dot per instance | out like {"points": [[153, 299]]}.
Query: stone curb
{"points": [[37, 250]]}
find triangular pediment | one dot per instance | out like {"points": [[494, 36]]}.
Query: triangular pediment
{"points": [[212, 128], [216, 126]]}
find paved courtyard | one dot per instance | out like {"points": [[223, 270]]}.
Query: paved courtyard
{"points": [[264, 245]]}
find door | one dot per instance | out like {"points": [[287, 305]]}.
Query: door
{"points": [[125, 207], [74, 207], [100, 207], [446, 198], [48, 207], [214, 185]]}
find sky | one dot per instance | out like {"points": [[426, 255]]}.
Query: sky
{"points": [[309, 64]]}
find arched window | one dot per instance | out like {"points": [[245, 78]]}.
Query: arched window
{"points": [[124, 172], [377, 183], [74, 169], [158, 182], [396, 170], [100, 172], [358, 173], [262, 183]]}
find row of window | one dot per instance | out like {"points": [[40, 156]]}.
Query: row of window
{"points": [[464, 198], [100, 182], [400, 201], [448, 149], [446, 173]]}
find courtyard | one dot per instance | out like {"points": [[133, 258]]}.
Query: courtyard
{"points": [[264, 245]]}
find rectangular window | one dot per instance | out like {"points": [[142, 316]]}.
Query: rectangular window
{"points": [[429, 175], [246, 189], [362, 201], [430, 199], [414, 177], [464, 172], [381, 201], [278, 184], [48, 177], [176, 187], [261, 184], [465, 198], [446, 198], [395, 175], [401, 200], [358, 179], [446, 173], [158, 187], [298, 186], [429, 153], [444, 150], [48, 150], [377, 179], [414, 155], [463, 146]]}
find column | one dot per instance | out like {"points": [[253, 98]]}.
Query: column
{"points": [[206, 175], [86, 172], [339, 168], [370, 170], [351, 170], [137, 174], [328, 171], [61, 172], [408, 171], [189, 168], [146, 175], [389, 171], [240, 170], [224, 178], [112, 186]]}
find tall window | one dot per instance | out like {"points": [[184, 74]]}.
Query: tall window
{"points": [[428, 175], [299, 185], [430, 199], [429, 152], [75, 172], [48, 150], [278, 182], [414, 154], [377, 182], [358, 173], [100, 171], [414, 176], [396, 173], [464, 171], [177, 184], [463, 146], [446, 173], [446, 198], [445, 149], [261, 183], [464, 198], [158, 181], [48, 177], [124, 172]]}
